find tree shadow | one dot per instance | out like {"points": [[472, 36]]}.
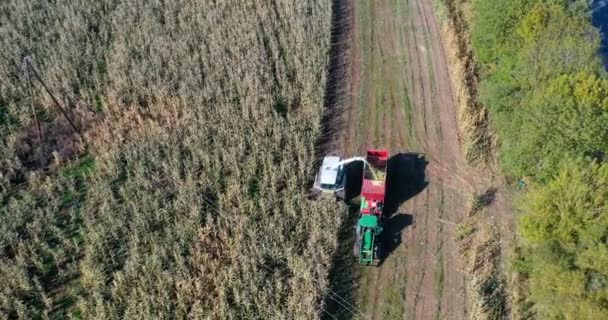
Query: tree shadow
{"points": [[487, 198]]}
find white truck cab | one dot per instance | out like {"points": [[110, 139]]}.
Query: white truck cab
{"points": [[331, 175]]}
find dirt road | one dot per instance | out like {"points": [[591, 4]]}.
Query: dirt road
{"points": [[401, 99]]}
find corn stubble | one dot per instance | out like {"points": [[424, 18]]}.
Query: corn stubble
{"points": [[191, 201]]}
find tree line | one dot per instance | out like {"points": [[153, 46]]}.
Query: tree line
{"points": [[543, 81]]}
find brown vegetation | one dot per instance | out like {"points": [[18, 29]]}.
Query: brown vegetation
{"points": [[474, 132], [188, 199], [479, 249]]}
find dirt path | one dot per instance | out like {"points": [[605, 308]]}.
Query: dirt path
{"points": [[401, 99]]}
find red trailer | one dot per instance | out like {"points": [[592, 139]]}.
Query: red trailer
{"points": [[369, 227], [374, 182]]}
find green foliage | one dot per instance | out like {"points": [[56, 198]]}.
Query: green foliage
{"points": [[565, 227], [567, 118], [39, 245], [546, 52], [552, 41], [495, 22], [542, 82]]}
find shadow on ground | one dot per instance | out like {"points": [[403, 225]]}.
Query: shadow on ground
{"points": [[342, 278], [393, 227], [340, 299], [354, 181], [337, 94], [406, 177]]}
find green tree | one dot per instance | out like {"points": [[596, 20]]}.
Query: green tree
{"points": [[565, 227], [495, 22], [552, 41], [541, 81], [566, 119], [530, 47]]}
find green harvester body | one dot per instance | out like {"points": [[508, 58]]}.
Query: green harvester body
{"points": [[369, 231]]}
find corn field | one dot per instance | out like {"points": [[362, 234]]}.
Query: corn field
{"points": [[184, 193]]}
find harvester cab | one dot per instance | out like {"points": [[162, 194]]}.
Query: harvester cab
{"points": [[331, 177]]}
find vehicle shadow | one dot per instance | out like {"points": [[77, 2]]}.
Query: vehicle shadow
{"points": [[406, 177], [393, 227]]}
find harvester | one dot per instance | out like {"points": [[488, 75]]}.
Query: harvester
{"points": [[332, 179], [332, 176]]}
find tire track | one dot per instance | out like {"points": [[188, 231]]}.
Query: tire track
{"points": [[450, 157], [371, 93], [417, 86], [420, 288], [426, 302], [441, 306], [445, 106], [430, 62], [403, 105], [425, 80], [384, 274]]}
